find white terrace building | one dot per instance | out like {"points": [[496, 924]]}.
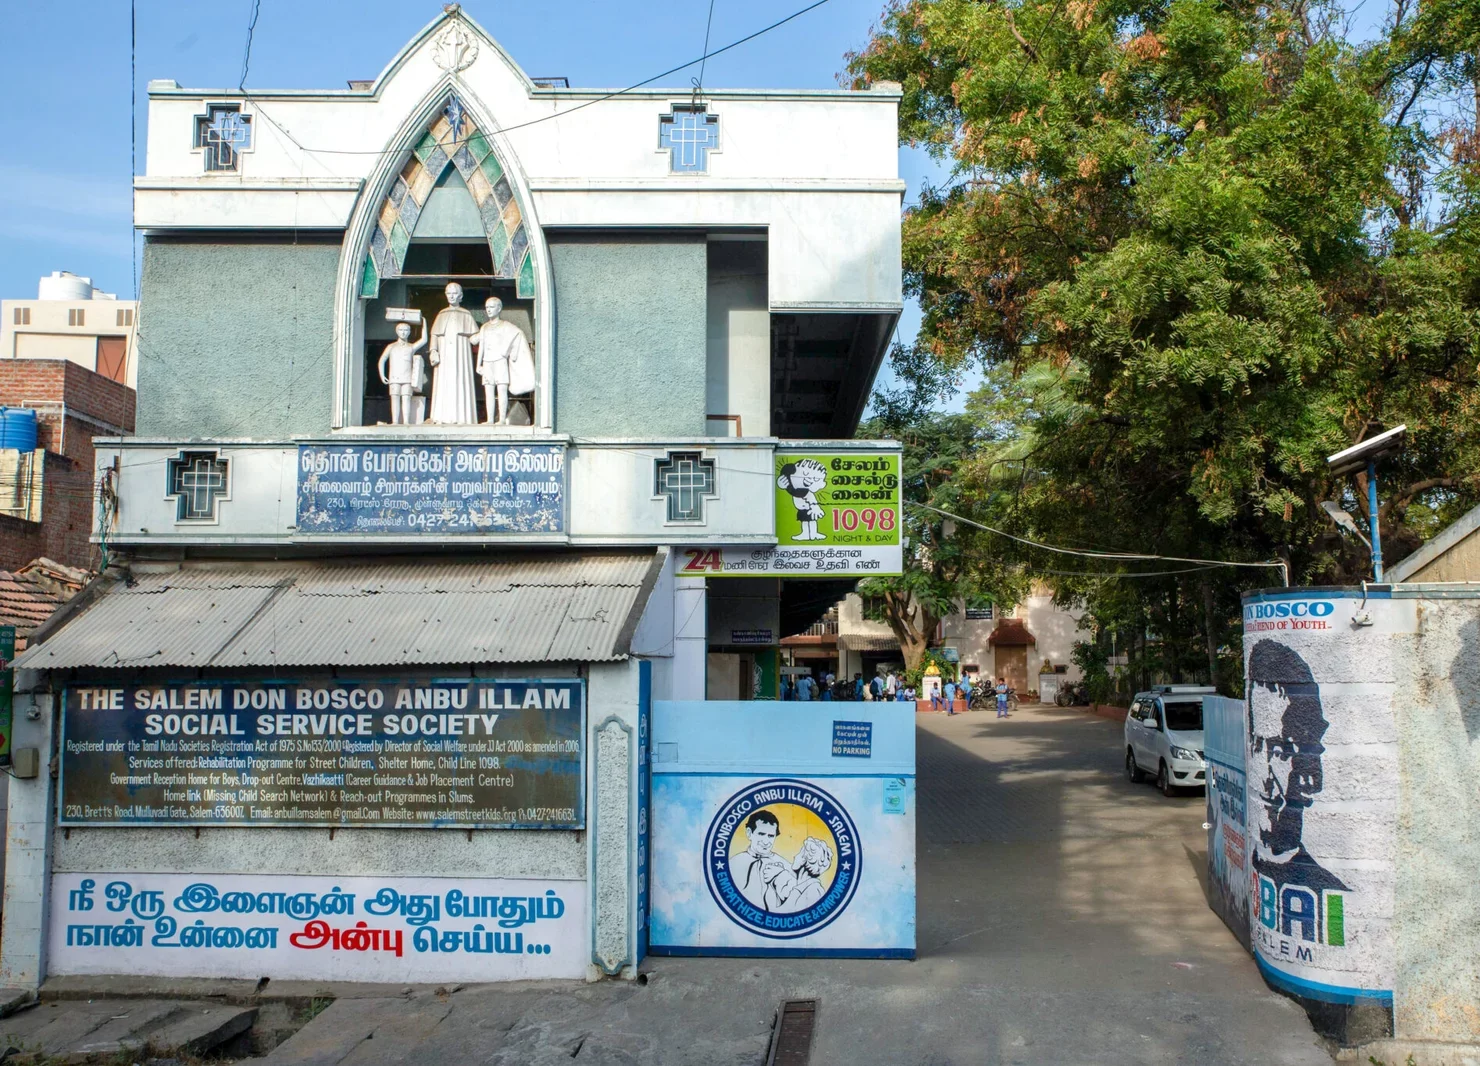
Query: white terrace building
{"points": [[695, 297]]}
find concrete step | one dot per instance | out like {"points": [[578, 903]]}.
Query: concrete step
{"points": [[80, 1030]]}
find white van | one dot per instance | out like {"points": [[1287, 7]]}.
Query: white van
{"points": [[1164, 736]]}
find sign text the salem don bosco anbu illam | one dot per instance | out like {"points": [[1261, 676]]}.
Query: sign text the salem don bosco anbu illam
{"points": [[837, 514], [390, 489], [436, 754]]}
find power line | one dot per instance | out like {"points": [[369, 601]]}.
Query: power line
{"points": [[699, 81], [133, 137], [257, 104], [247, 52], [1278, 564]]}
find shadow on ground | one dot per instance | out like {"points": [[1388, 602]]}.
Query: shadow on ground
{"points": [[1062, 918]]}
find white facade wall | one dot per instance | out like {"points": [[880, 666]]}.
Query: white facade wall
{"points": [[818, 170], [610, 492], [1056, 628]]}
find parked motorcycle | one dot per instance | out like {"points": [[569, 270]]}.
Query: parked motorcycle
{"points": [[1072, 694]]}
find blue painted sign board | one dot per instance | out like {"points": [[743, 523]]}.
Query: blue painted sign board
{"points": [[765, 842], [441, 489], [1225, 740], [853, 740], [453, 754]]}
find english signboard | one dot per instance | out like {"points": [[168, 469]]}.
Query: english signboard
{"points": [[437, 754]]}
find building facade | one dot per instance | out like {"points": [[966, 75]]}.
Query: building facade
{"points": [[69, 319], [476, 416], [1020, 643], [47, 491]]}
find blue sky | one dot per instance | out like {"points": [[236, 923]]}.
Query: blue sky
{"points": [[66, 165]]}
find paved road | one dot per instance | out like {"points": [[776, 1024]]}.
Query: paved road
{"points": [[1061, 920]]}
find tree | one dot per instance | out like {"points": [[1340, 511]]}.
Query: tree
{"points": [[943, 563], [1210, 243]]}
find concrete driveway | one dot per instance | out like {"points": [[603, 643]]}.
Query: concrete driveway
{"points": [[1061, 920]]}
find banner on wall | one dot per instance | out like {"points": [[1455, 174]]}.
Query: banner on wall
{"points": [[440, 489], [1321, 765], [1225, 742], [436, 754], [838, 514], [814, 858], [317, 928]]}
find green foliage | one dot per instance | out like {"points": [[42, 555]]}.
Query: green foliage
{"points": [[1195, 247], [1093, 661], [942, 564]]}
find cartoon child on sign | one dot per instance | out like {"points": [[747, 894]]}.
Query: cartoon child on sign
{"points": [[804, 480]]}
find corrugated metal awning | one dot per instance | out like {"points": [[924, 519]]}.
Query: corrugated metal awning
{"points": [[571, 607], [869, 642]]}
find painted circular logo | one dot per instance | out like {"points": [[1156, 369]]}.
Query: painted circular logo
{"points": [[782, 858]]}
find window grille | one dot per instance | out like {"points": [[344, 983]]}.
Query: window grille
{"points": [[689, 134], [197, 480], [223, 133]]}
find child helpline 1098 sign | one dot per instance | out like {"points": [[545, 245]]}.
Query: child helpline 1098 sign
{"points": [[837, 514]]}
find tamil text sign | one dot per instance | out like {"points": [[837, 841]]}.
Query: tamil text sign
{"points": [[436, 754], [328, 928], [391, 489], [837, 515]]}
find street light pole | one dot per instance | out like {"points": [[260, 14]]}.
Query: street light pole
{"points": [[1372, 520]]}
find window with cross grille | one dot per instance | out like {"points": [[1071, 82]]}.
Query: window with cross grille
{"points": [[685, 479], [689, 134], [197, 480], [223, 133]]}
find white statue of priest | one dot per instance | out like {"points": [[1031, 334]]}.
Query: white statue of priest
{"points": [[504, 362], [453, 400]]}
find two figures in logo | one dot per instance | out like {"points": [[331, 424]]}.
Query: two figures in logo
{"points": [[771, 882]]}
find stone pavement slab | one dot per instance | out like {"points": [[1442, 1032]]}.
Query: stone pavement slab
{"points": [[77, 1031]]}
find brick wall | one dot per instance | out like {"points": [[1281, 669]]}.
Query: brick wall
{"points": [[67, 494]]}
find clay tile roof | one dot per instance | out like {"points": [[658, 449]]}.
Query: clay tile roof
{"points": [[1010, 633], [25, 603]]}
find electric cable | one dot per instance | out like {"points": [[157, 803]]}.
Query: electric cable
{"points": [[257, 104], [1278, 564]]}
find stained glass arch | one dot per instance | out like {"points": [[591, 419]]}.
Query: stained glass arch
{"points": [[454, 139]]}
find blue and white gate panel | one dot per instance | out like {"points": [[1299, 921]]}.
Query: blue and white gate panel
{"points": [[783, 829]]}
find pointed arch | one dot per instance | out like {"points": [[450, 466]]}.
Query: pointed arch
{"points": [[454, 140], [421, 151]]}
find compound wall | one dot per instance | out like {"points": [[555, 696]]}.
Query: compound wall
{"points": [[1362, 746]]}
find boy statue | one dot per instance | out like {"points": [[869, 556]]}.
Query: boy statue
{"points": [[401, 370], [503, 358]]}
